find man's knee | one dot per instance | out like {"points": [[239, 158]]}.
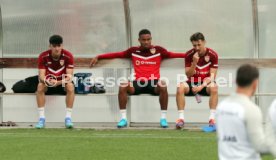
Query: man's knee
{"points": [[213, 89], [70, 88], [162, 86], [182, 88], [41, 88], [123, 87]]}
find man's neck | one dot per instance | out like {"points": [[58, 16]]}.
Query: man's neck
{"points": [[55, 58], [244, 91], [145, 48]]}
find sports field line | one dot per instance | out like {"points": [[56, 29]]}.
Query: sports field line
{"points": [[147, 136], [123, 134]]}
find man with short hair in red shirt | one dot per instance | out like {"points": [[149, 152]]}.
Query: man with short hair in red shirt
{"points": [[55, 77], [146, 60], [201, 64]]}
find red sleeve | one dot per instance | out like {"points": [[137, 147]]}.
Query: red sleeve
{"points": [[166, 54], [176, 55], [41, 63], [123, 54], [188, 61], [70, 62], [189, 58], [214, 60]]}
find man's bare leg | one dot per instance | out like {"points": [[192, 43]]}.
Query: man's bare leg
{"points": [[40, 99], [182, 89], [212, 90], [161, 89], [124, 90], [69, 100]]}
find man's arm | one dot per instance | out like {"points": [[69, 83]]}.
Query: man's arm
{"points": [[46, 80], [123, 54], [69, 72], [167, 54], [68, 78], [112, 55], [191, 68], [213, 74], [190, 71], [175, 55], [41, 69], [41, 74], [270, 137], [208, 80], [213, 70], [270, 128], [272, 114], [255, 128]]}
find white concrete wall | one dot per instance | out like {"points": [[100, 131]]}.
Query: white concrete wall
{"points": [[144, 108]]}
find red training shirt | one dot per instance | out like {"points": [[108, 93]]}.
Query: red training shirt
{"points": [[53, 67], [146, 62], [205, 63]]}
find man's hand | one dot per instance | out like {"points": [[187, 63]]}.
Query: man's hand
{"points": [[93, 61], [197, 89], [195, 58], [48, 82], [52, 82]]}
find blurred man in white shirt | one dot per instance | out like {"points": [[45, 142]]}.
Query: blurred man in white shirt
{"points": [[272, 115], [240, 129]]}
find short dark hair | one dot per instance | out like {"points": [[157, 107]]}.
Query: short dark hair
{"points": [[55, 40], [144, 31], [246, 74], [197, 36]]}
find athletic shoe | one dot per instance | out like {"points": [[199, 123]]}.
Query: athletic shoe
{"points": [[211, 127], [40, 124], [68, 123], [179, 123], [122, 123], [163, 123], [212, 123]]}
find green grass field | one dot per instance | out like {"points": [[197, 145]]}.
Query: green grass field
{"points": [[87, 144]]}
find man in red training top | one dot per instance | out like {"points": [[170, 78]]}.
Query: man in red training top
{"points": [[55, 71], [146, 60], [201, 66]]}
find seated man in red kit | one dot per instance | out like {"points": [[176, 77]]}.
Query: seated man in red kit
{"points": [[146, 60], [56, 67], [201, 65]]}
